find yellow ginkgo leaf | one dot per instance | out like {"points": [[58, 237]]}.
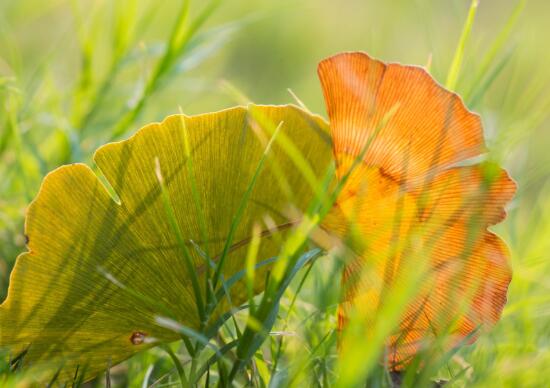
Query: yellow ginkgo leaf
{"points": [[101, 268]]}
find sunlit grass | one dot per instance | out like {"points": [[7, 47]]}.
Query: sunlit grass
{"points": [[128, 64]]}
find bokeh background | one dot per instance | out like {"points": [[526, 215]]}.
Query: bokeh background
{"points": [[75, 74]]}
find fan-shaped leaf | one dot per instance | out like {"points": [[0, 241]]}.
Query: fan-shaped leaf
{"points": [[99, 271]]}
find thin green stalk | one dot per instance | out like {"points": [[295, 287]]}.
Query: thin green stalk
{"points": [[290, 308], [18, 144], [179, 40], [188, 345], [275, 288], [476, 97], [292, 151], [181, 242], [298, 101], [130, 291], [199, 209], [241, 209], [122, 44], [498, 44], [181, 373], [456, 65], [251, 259]]}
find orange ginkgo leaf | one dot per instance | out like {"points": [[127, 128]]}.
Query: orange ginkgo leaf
{"points": [[412, 204]]}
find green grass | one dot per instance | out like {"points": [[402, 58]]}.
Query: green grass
{"points": [[74, 75]]}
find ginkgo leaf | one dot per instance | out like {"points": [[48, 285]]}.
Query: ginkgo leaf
{"points": [[101, 268], [410, 209]]}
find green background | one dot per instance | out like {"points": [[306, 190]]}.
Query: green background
{"points": [[55, 57]]}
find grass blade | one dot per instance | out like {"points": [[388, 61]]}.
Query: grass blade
{"points": [[456, 65], [181, 242]]}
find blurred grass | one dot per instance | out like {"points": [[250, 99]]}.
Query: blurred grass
{"points": [[75, 74]]}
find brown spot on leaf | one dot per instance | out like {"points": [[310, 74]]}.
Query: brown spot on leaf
{"points": [[138, 337]]}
